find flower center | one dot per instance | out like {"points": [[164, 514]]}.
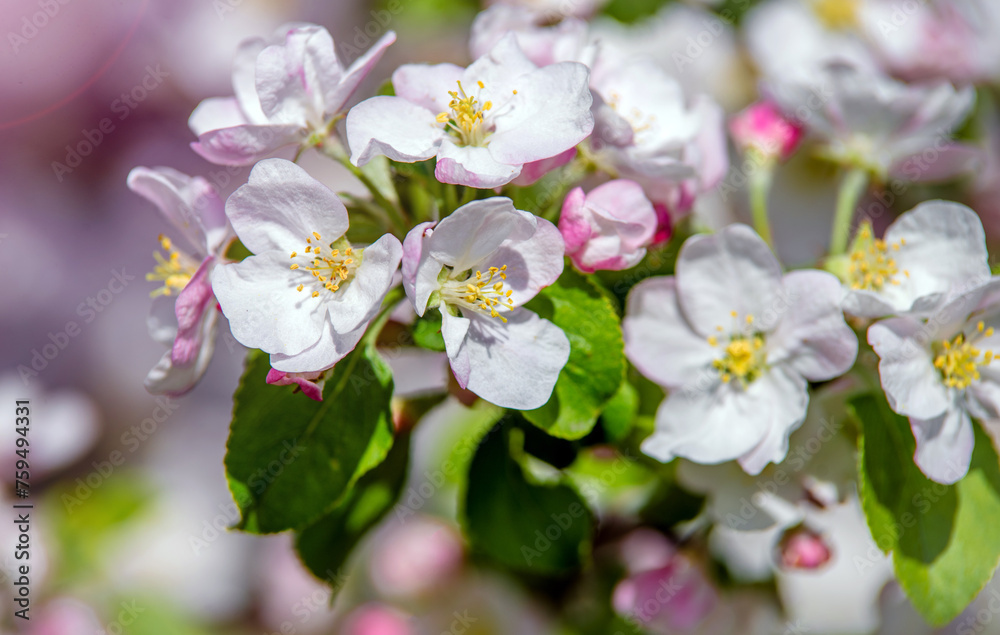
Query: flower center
{"points": [[872, 265], [958, 360], [331, 267], [480, 292], [837, 14], [639, 121], [744, 357], [174, 270], [466, 117]]}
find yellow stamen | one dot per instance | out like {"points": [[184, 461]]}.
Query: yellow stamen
{"points": [[174, 271]]}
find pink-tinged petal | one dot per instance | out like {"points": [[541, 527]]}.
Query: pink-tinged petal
{"points": [[192, 302], [802, 548], [454, 330], [281, 206], [168, 378], [912, 385], [515, 364], [531, 172], [500, 70], [732, 270], [763, 128], [774, 446], [217, 113], [245, 145], [476, 230], [330, 349], [191, 204], [356, 73], [532, 263], [377, 619], [944, 445], [359, 301], [419, 279], [393, 127], [659, 341], [573, 221], [709, 149], [245, 80], [812, 337], [664, 224], [265, 311], [543, 45], [427, 85], [549, 115], [293, 77], [472, 167], [625, 203], [305, 382], [674, 598], [721, 422]]}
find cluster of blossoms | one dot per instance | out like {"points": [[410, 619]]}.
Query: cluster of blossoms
{"points": [[557, 149]]}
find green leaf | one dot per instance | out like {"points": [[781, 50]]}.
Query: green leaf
{"points": [[325, 545], [427, 331], [525, 526], [620, 412], [941, 539], [596, 366], [289, 459]]}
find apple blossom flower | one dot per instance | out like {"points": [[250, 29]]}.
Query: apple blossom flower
{"points": [[926, 254], [763, 129], [478, 266], [647, 130], [939, 373], [306, 296], [609, 227], [483, 123], [870, 121], [542, 42], [734, 341], [183, 314], [289, 93]]}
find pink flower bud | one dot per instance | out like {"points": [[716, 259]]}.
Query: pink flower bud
{"points": [[763, 128], [608, 228], [311, 384], [803, 548], [417, 556], [376, 619]]}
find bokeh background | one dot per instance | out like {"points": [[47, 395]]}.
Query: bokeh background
{"points": [[129, 527]]}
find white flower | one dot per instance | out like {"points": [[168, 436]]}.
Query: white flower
{"points": [[307, 294], [483, 123], [289, 93], [478, 266], [183, 314], [734, 341], [939, 372], [541, 42], [891, 129], [925, 255]]}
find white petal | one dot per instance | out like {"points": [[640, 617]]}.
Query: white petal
{"points": [[791, 413], [500, 70], [812, 337], [265, 311], [162, 320], [454, 330], [336, 97], [725, 421], [533, 263], [911, 383], [360, 300], [732, 270], [549, 115], [190, 203], [244, 145], [476, 230], [658, 340], [394, 127], [281, 206], [420, 271], [293, 77], [944, 445], [515, 365], [244, 79], [427, 85], [330, 349], [166, 378], [216, 113], [472, 166]]}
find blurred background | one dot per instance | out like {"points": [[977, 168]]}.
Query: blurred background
{"points": [[128, 533]]}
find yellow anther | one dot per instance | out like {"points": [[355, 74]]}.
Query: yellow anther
{"points": [[317, 236], [479, 291], [330, 270], [713, 341], [959, 360], [870, 267], [837, 14], [295, 266], [174, 271]]}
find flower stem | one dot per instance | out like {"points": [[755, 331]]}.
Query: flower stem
{"points": [[333, 149], [851, 189], [760, 186]]}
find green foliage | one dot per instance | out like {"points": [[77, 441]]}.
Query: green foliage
{"points": [[943, 548], [620, 412], [325, 545], [596, 366], [536, 529], [427, 331], [290, 459]]}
